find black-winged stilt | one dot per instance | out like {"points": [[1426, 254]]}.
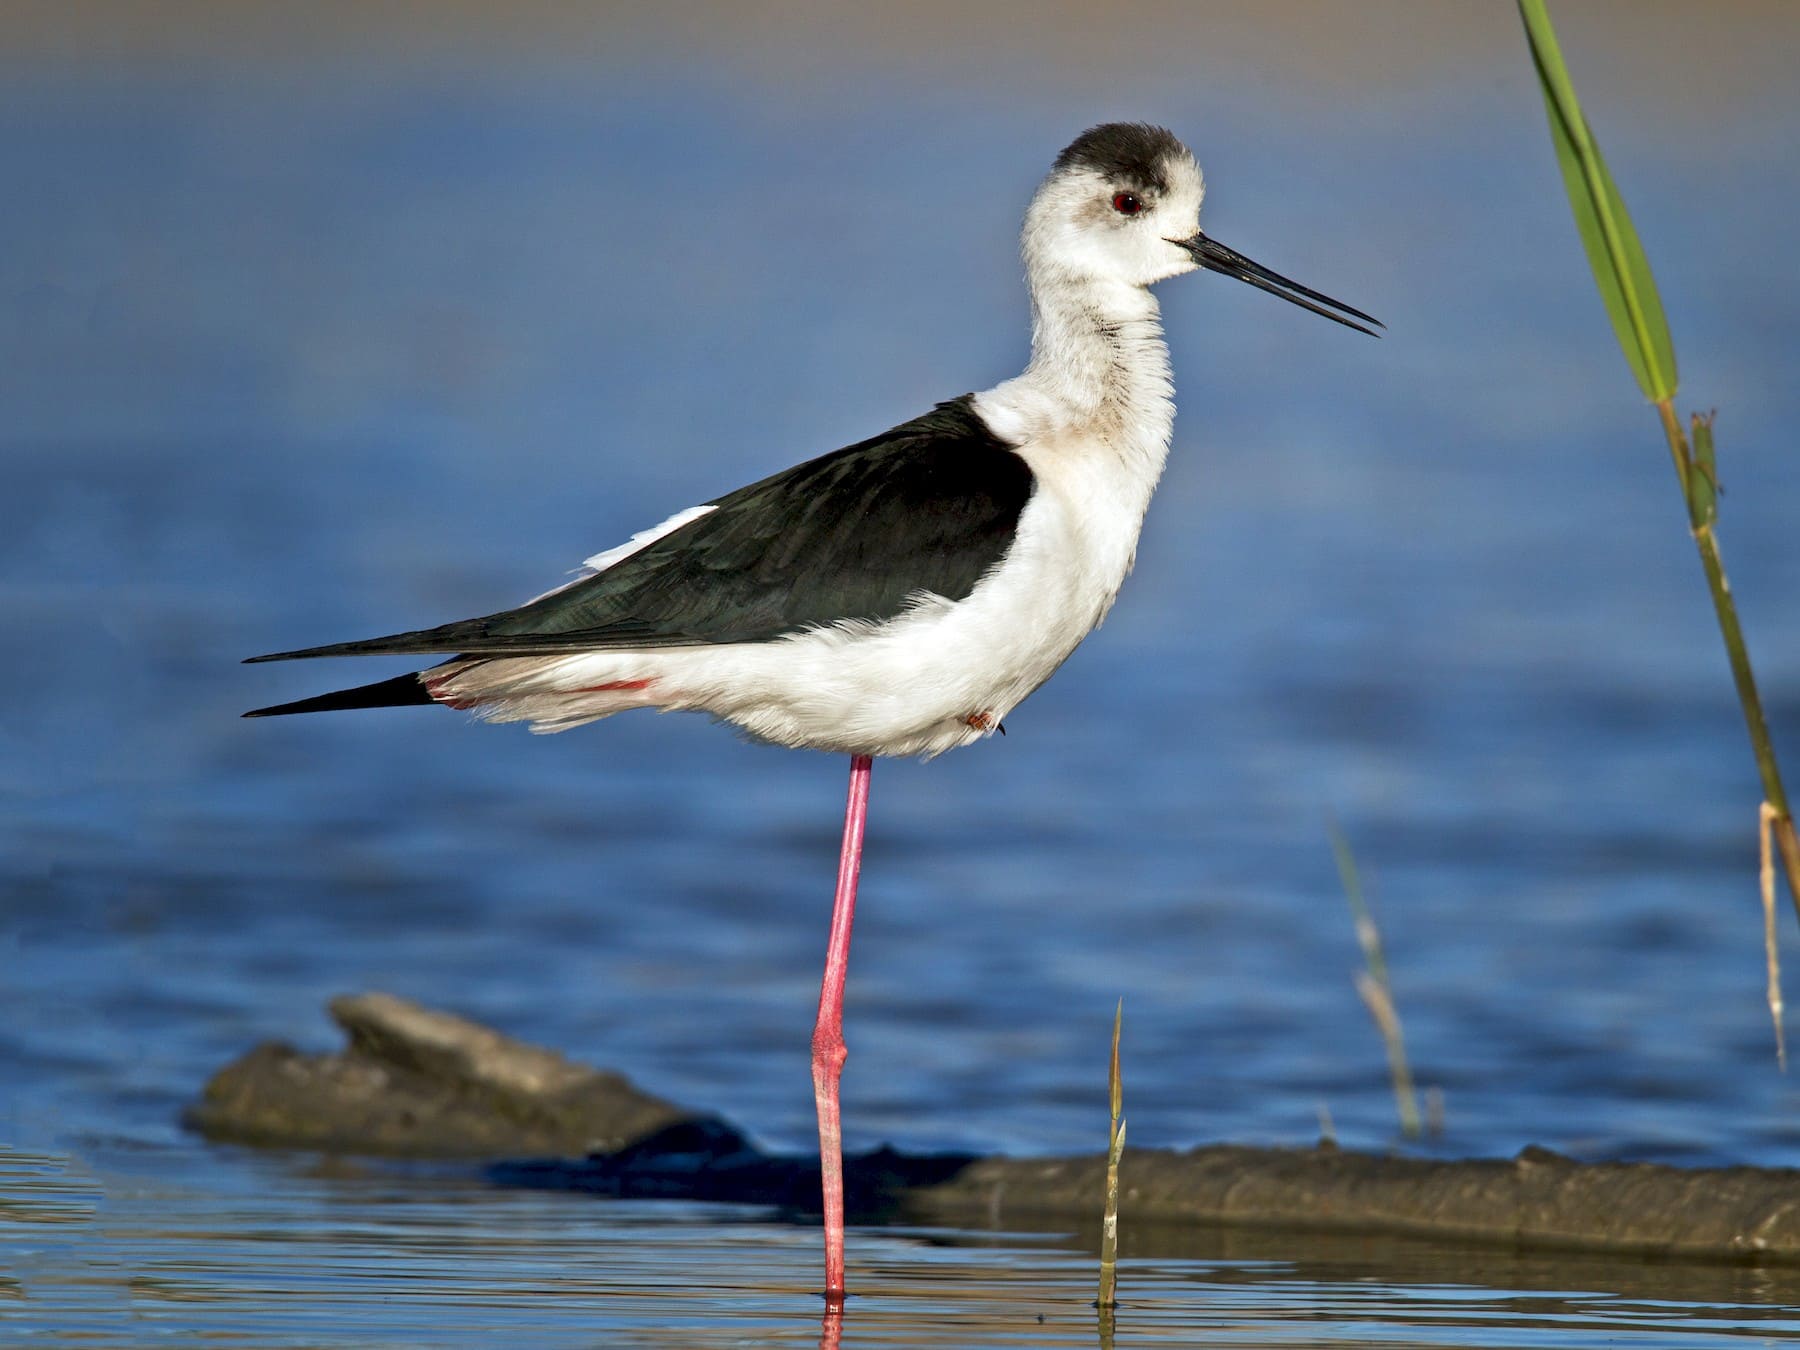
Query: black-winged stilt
{"points": [[902, 595]]}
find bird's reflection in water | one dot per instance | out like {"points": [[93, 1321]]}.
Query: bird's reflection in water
{"points": [[831, 1325]]}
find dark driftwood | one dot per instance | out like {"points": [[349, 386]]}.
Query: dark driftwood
{"points": [[417, 1083], [414, 1082]]}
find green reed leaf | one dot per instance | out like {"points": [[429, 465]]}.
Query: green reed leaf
{"points": [[1621, 271]]}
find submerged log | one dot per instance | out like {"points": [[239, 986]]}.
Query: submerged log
{"points": [[1539, 1199], [414, 1082]]}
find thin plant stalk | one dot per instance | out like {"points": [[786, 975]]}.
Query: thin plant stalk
{"points": [[1628, 289], [1115, 1149], [1695, 463], [1373, 986], [1380, 1003], [1771, 948]]}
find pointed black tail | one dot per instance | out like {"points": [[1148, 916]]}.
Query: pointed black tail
{"points": [[399, 692]]}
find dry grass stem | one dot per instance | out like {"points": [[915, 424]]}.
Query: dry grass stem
{"points": [[1381, 1007], [1766, 834], [1373, 984], [1115, 1149]]}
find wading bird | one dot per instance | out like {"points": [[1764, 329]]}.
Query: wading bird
{"points": [[902, 595]]}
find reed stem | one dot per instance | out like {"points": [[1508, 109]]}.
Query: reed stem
{"points": [[1699, 489]]}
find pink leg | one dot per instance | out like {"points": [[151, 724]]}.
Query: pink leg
{"points": [[828, 1051]]}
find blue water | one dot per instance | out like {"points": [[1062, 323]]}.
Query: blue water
{"points": [[268, 1256], [308, 352]]}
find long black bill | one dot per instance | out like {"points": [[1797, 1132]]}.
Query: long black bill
{"points": [[1215, 257]]}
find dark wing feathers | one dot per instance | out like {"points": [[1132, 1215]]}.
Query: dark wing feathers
{"points": [[399, 692], [928, 506]]}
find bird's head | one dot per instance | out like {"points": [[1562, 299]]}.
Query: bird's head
{"points": [[1121, 206]]}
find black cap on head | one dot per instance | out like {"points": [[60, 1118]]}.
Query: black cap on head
{"points": [[1124, 152]]}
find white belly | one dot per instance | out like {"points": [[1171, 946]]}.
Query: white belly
{"points": [[938, 677]]}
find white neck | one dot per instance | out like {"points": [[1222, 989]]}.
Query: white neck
{"points": [[1098, 378]]}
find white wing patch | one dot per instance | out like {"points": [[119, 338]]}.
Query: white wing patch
{"points": [[644, 538], [641, 540]]}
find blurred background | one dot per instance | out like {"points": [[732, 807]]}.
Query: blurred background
{"points": [[329, 320]]}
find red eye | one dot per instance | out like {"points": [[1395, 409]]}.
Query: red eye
{"points": [[1126, 203]]}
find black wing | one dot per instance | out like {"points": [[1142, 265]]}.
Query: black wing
{"points": [[929, 506]]}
